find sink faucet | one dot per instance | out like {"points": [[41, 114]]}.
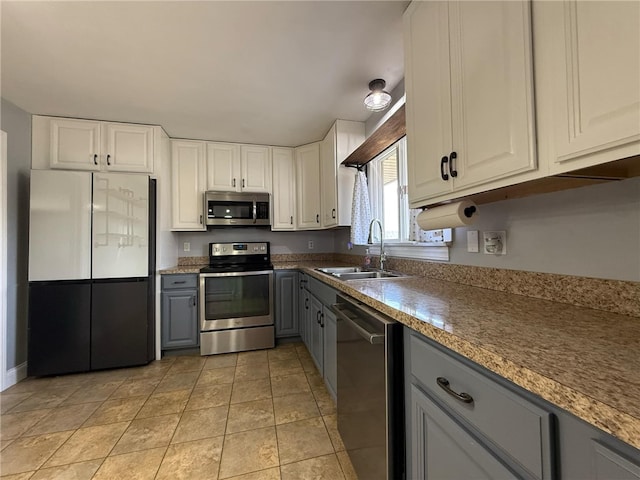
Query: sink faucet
{"points": [[383, 256]]}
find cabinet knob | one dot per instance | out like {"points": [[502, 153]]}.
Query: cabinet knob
{"points": [[108, 160], [443, 161], [452, 168]]}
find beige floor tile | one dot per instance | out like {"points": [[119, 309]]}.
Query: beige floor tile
{"points": [[279, 368], [209, 396], [250, 415], [199, 460], [135, 388], [282, 355], [268, 474], [48, 398], [146, 433], [141, 465], [216, 376], [153, 372], [19, 476], [289, 385], [164, 403], [252, 390], [220, 361], [253, 358], [103, 377], [187, 364], [291, 408], [93, 393], [319, 468], [74, 471], [29, 453], [88, 444], [204, 423], [316, 382], [331, 422], [179, 381], [308, 365], [245, 373], [63, 418], [4, 444], [116, 410], [247, 452], [325, 402], [347, 467], [10, 400], [13, 425], [302, 440]]}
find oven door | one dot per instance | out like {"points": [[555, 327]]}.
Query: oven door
{"points": [[236, 300]]}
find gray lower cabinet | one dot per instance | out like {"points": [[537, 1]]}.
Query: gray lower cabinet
{"points": [[330, 340], [180, 311], [442, 449], [303, 310], [316, 343], [286, 305]]}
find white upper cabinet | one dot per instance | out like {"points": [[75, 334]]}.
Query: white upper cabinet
{"points": [[255, 168], [283, 200], [308, 186], [238, 168], [469, 108], [223, 167], [337, 180], [188, 185], [91, 145], [588, 79]]}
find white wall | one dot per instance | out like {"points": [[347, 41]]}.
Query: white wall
{"points": [[281, 242], [590, 231]]}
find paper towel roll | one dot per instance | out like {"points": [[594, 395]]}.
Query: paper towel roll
{"points": [[448, 216]]}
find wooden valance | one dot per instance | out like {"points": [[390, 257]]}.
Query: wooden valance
{"points": [[386, 135]]}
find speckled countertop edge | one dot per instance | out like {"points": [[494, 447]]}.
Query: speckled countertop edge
{"points": [[582, 404]]}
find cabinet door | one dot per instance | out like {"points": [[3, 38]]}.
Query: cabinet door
{"points": [[428, 105], [304, 314], [316, 339], [287, 304], [595, 119], [308, 186], [128, 148], [328, 180], [75, 144], [284, 189], [256, 168], [180, 319], [223, 167], [442, 449], [349, 136], [492, 93], [188, 184], [330, 351]]}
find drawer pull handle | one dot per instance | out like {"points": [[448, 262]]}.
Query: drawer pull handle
{"points": [[443, 383], [181, 281], [443, 167], [452, 168]]}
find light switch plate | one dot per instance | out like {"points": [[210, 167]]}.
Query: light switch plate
{"points": [[186, 246], [472, 241]]}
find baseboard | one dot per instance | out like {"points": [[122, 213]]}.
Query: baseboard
{"points": [[14, 375]]}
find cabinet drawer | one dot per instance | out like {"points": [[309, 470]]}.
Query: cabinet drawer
{"points": [[495, 412], [189, 280]]}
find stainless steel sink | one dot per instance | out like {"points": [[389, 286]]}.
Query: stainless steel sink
{"points": [[364, 275], [340, 270]]}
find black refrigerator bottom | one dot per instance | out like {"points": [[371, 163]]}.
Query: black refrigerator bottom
{"points": [[76, 326]]}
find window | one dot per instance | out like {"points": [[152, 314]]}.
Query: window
{"points": [[387, 179]]}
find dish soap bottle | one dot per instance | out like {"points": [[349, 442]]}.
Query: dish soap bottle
{"points": [[367, 259]]}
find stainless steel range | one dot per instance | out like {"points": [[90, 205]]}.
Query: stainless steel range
{"points": [[236, 298]]}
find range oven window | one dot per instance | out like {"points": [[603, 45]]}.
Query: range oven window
{"points": [[229, 209], [228, 297]]}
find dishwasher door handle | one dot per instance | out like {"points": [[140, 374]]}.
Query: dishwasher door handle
{"points": [[371, 337]]}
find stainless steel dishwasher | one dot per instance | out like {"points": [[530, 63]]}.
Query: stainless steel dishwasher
{"points": [[370, 390]]}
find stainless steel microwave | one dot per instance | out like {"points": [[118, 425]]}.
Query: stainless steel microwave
{"points": [[237, 209]]}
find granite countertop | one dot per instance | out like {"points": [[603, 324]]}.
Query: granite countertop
{"points": [[583, 360]]}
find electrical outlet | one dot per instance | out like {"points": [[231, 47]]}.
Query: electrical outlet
{"points": [[472, 241], [310, 244], [495, 243], [186, 246]]}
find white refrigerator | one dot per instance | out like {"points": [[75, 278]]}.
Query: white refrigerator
{"points": [[89, 269]]}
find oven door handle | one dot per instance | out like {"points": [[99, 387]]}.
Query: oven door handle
{"points": [[236, 274], [371, 337]]}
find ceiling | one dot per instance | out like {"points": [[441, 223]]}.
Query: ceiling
{"points": [[265, 72]]}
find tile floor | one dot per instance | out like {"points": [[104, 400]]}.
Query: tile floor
{"points": [[243, 416]]}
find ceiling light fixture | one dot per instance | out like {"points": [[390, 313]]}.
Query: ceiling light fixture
{"points": [[378, 99]]}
